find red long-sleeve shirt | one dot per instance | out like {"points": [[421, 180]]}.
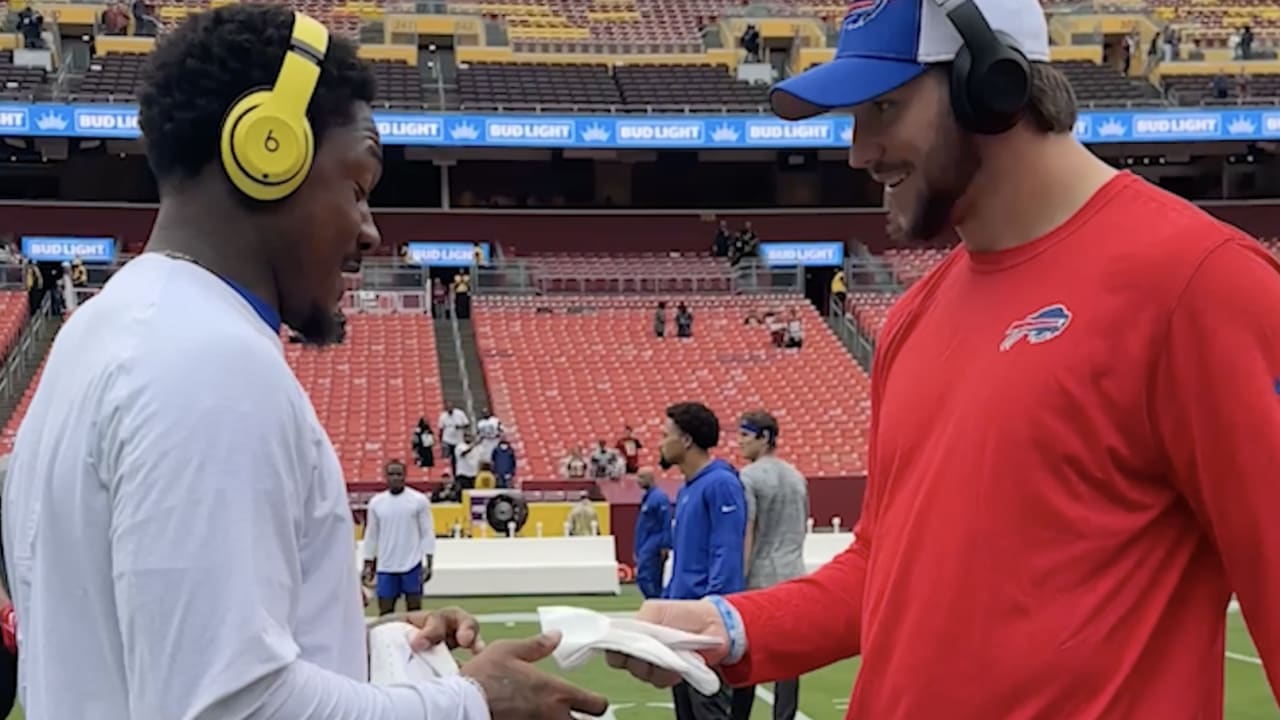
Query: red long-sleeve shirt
{"points": [[1074, 461]]}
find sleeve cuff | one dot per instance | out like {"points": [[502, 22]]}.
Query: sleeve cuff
{"points": [[733, 627]]}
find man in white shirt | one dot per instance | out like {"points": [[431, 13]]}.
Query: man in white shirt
{"points": [[399, 542], [176, 525], [489, 427], [453, 421]]}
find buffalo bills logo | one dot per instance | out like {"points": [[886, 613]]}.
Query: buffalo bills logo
{"points": [[860, 12], [1040, 326]]}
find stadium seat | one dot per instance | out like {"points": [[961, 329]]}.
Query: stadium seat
{"points": [[592, 365], [525, 84], [17, 82], [912, 264], [623, 272], [370, 391]]}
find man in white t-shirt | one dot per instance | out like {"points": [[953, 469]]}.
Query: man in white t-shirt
{"points": [[399, 542], [176, 525], [452, 424], [489, 427]]}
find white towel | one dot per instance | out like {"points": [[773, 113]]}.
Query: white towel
{"points": [[393, 662], [585, 633]]}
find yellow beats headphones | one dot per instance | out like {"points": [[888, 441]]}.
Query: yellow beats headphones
{"points": [[267, 144]]}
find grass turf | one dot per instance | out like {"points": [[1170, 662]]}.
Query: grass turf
{"points": [[823, 693]]}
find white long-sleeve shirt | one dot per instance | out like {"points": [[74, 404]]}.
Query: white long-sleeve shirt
{"points": [[176, 525], [399, 530]]}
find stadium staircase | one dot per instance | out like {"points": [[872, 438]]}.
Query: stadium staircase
{"points": [[470, 362], [451, 385]]}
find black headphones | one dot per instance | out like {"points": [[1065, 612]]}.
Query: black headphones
{"points": [[990, 77]]}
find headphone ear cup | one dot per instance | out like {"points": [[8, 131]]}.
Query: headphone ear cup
{"points": [[999, 87], [962, 105], [266, 155]]}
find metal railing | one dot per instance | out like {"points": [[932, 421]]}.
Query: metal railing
{"points": [[25, 355]]}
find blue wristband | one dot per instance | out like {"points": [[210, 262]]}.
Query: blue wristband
{"points": [[732, 627]]}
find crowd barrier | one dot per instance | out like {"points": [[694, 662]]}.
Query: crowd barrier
{"points": [[522, 566]]}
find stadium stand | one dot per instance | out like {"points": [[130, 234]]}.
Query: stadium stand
{"points": [[911, 264], [686, 85], [1100, 84], [113, 75], [18, 82], [370, 391], [1211, 23], [870, 310], [499, 84], [628, 272], [592, 365], [399, 84], [1198, 89]]}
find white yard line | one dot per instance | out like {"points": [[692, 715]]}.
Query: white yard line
{"points": [[1244, 658], [766, 696]]}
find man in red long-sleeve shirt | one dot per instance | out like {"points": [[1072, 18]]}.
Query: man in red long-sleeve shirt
{"points": [[1075, 427]]}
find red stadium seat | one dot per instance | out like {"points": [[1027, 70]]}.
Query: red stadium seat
{"points": [[565, 378]]}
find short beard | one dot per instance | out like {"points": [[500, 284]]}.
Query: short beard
{"points": [[949, 170], [321, 327]]}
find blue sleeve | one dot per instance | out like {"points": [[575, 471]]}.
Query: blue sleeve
{"points": [[726, 508], [664, 520]]}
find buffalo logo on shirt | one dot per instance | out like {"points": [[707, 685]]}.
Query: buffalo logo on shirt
{"points": [[1040, 326]]}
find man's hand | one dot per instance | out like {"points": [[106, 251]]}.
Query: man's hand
{"points": [[453, 626], [514, 688], [699, 617], [370, 573]]}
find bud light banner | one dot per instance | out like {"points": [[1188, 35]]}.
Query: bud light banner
{"points": [[447, 254], [808, 254], [40, 248]]}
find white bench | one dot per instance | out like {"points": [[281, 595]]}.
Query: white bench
{"points": [[524, 566]]}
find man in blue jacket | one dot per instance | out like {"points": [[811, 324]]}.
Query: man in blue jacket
{"points": [[653, 535], [709, 532], [504, 464]]}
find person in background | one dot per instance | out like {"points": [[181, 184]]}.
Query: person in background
{"points": [[447, 492], [485, 479], [629, 448], [659, 319], [777, 521], [477, 255], [684, 321], [452, 423], [709, 534], [653, 535], [839, 290], [399, 542], [724, 236], [602, 460], [750, 241], [574, 465], [488, 425], [777, 329], [795, 330], [504, 464], [424, 440], [467, 458], [462, 295], [583, 520]]}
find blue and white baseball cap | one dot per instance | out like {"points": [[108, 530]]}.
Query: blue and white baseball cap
{"points": [[884, 44]]}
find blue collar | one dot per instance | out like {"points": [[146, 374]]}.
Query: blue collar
{"points": [[260, 306]]}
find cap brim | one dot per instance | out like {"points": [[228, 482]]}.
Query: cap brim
{"points": [[841, 83]]}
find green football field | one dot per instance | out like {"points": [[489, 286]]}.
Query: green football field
{"points": [[824, 694]]}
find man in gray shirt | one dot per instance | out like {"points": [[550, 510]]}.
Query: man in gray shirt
{"points": [[777, 520]]}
